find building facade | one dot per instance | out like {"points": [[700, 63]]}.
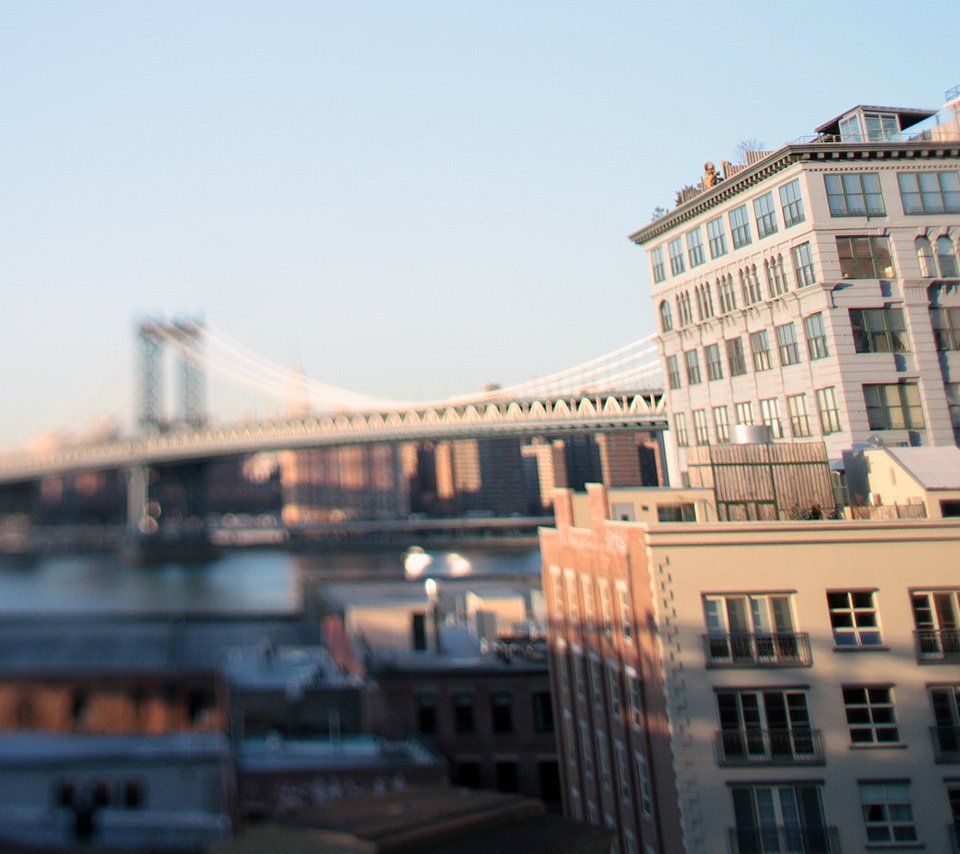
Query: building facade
{"points": [[816, 289], [761, 686]]}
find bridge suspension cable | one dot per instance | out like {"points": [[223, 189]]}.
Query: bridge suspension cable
{"points": [[633, 366]]}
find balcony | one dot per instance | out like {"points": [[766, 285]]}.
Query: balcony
{"points": [[937, 646], [785, 839], [797, 746], [946, 743], [742, 649]]}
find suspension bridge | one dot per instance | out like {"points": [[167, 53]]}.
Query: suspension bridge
{"points": [[617, 390]]}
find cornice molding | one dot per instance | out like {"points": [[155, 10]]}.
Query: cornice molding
{"points": [[780, 160]]}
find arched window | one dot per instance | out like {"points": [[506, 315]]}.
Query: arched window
{"points": [[666, 318], [947, 258], [925, 257], [707, 299]]}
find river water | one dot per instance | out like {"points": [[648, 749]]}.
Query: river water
{"points": [[238, 582]]}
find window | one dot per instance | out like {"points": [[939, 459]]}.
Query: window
{"points": [[79, 708], [693, 367], [501, 712], [680, 425], [750, 285], [828, 409], [799, 421], [776, 280], [787, 344], [643, 779], [701, 434], [711, 355], [656, 257], [133, 794], [928, 268], [853, 616], [683, 309], [895, 406], [870, 714], [613, 691], [677, 265], [704, 301], [634, 707], [770, 415], [816, 337], [626, 612], [717, 238], [427, 713], [606, 607], [791, 203], [728, 297], [463, 720], [603, 759], [766, 215], [735, 359], [596, 683], [945, 263], [765, 727], [854, 194], [573, 596], [879, 330], [803, 265], [743, 412], [507, 777], [695, 247], [865, 258], [887, 812], [756, 629], [740, 227], [589, 611], [780, 818], [930, 192], [953, 404], [945, 700], [935, 616], [761, 350], [673, 372], [720, 424], [683, 512], [666, 317], [947, 258]]}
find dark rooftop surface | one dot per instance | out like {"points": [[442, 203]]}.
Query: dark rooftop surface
{"points": [[98, 645], [437, 820]]}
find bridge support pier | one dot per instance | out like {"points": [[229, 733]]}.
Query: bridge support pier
{"points": [[138, 499]]}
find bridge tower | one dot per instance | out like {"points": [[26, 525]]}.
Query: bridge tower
{"points": [[186, 338]]}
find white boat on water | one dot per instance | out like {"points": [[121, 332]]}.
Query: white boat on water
{"points": [[415, 561]]}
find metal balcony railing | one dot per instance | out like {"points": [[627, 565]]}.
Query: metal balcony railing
{"points": [[937, 646], [785, 839], [741, 649], [796, 746], [946, 743]]}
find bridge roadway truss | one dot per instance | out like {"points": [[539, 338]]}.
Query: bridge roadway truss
{"points": [[641, 409]]}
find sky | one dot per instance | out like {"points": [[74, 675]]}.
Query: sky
{"points": [[409, 198]]}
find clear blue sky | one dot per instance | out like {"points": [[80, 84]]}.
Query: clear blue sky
{"points": [[411, 197]]}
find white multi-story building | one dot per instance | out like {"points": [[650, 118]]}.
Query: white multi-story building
{"points": [[816, 289]]}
